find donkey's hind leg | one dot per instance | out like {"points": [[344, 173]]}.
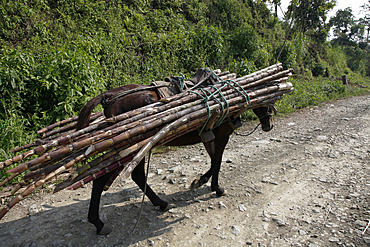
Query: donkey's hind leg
{"points": [[138, 175], [98, 186]]}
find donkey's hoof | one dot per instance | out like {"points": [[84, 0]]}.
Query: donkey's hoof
{"points": [[221, 192], [168, 207], [195, 184], [105, 230]]}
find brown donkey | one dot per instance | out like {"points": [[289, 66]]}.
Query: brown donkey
{"points": [[114, 106]]}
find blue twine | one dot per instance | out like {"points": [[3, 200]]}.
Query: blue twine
{"points": [[210, 95]]}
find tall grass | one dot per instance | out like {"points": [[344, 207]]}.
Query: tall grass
{"points": [[314, 91], [13, 133]]}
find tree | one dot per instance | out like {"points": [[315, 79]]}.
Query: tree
{"points": [[276, 4], [342, 22], [366, 20], [349, 33], [310, 14], [346, 28]]}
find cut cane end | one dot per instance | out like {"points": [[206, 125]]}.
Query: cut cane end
{"points": [[128, 171], [89, 150]]}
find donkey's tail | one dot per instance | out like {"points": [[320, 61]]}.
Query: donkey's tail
{"points": [[84, 116]]}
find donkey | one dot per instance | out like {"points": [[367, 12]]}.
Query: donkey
{"points": [[146, 96]]}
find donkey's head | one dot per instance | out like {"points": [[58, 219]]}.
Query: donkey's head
{"points": [[265, 115]]}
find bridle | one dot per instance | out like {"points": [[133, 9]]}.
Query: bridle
{"points": [[271, 111]]}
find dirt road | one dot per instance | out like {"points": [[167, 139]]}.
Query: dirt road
{"points": [[305, 183]]}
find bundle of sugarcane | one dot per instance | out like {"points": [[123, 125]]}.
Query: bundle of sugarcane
{"points": [[120, 143]]}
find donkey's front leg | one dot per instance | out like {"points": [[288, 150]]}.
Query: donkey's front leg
{"points": [[202, 180], [213, 172], [216, 160], [212, 148], [216, 151]]}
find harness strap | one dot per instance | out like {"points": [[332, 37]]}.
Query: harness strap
{"points": [[122, 94]]}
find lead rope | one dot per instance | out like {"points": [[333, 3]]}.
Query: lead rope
{"points": [[255, 128], [142, 201]]}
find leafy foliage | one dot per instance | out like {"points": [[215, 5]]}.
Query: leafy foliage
{"points": [[56, 85]]}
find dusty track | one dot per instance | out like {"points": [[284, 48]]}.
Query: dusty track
{"points": [[305, 183]]}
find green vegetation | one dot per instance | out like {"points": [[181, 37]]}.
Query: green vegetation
{"points": [[315, 91], [56, 55]]}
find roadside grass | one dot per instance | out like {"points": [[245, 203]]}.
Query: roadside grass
{"points": [[314, 91], [319, 90]]}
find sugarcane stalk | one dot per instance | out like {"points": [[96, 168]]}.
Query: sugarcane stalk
{"points": [[63, 129], [47, 145], [87, 173], [16, 188], [118, 149], [67, 121], [30, 145], [66, 128], [269, 70], [16, 159], [113, 177], [100, 173], [8, 179], [183, 129], [56, 154], [42, 148], [107, 155], [43, 171], [37, 184]]}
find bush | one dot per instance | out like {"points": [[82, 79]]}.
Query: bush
{"points": [[54, 85], [208, 45], [262, 58], [337, 61], [288, 55], [318, 69], [243, 67], [244, 42]]}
